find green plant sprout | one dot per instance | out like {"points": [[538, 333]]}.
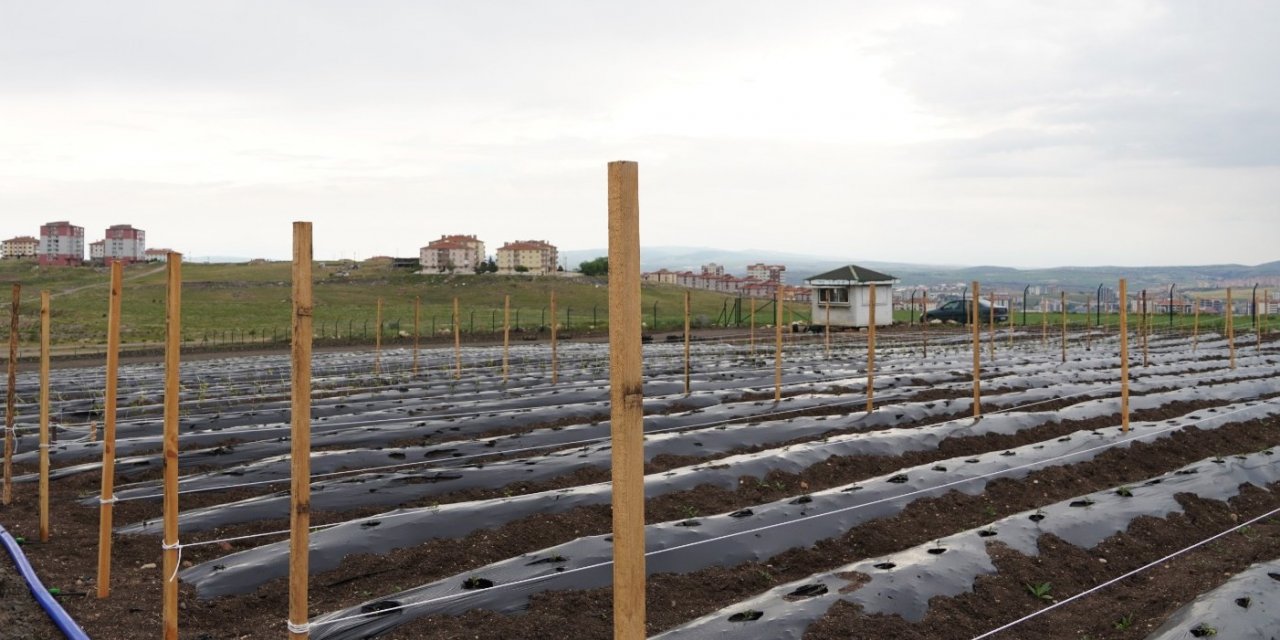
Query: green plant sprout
{"points": [[1041, 591]]}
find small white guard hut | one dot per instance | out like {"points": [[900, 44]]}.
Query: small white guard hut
{"points": [[847, 293]]}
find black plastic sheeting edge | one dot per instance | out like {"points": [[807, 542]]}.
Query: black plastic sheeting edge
{"points": [[1246, 606]]}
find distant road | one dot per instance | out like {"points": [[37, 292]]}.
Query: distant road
{"points": [[88, 286]]}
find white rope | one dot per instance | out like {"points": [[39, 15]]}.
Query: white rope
{"points": [[303, 628], [1124, 576], [796, 521], [112, 500], [177, 564]]}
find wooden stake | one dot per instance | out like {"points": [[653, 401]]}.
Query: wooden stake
{"points": [[506, 336], [457, 342], [1124, 357], [1195, 327], [300, 431], [1063, 302], [1231, 329], [173, 344], [555, 362], [626, 393], [686, 343], [826, 331], [977, 352], [1142, 321], [777, 350], [991, 325], [417, 317], [871, 349], [11, 397], [1088, 330], [107, 499], [44, 416], [377, 340], [1010, 321], [924, 332], [753, 327]]}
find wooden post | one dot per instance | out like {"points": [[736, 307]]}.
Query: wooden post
{"points": [[11, 397], [173, 343], [1010, 321], [753, 327], [924, 332], [377, 339], [44, 416], [686, 343], [107, 499], [1063, 302], [1124, 357], [1044, 323], [300, 431], [626, 394], [457, 342], [555, 362], [826, 331], [977, 352], [506, 336], [1231, 329], [991, 325], [1088, 331], [417, 316], [871, 348], [1195, 326], [1142, 321], [777, 349]]}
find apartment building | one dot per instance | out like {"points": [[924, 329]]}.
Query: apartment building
{"points": [[537, 257], [61, 243], [19, 248], [452, 253]]}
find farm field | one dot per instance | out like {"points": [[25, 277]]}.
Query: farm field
{"points": [[449, 503]]}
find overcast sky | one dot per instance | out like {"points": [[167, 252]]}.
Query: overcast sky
{"points": [[1016, 133]]}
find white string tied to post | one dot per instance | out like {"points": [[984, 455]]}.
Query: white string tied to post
{"points": [[304, 628], [177, 563], [112, 500]]}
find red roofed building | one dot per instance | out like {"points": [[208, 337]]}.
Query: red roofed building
{"points": [[450, 253], [20, 247], [537, 257], [61, 243]]}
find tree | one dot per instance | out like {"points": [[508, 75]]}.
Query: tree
{"points": [[522, 269], [597, 267]]}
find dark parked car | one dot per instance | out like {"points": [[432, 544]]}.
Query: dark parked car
{"points": [[958, 311]]}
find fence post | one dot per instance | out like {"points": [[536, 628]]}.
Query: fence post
{"points": [[1063, 302], [555, 369], [1124, 357], [991, 325], [753, 327], [506, 336], [1146, 356], [924, 323], [106, 500], [173, 322], [777, 349], [44, 416], [377, 339], [457, 342], [626, 392], [871, 349], [300, 429], [417, 313], [11, 396], [686, 343], [1088, 331], [977, 353], [1231, 329], [1195, 327]]}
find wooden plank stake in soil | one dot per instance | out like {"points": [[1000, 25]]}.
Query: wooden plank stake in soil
{"points": [[1010, 306], [11, 396], [871, 348], [753, 327], [1124, 357], [826, 331], [1142, 321], [417, 315], [44, 416], [1088, 331], [977, 352], [107, 501], [626, 398], [555, 368], [377, 340], [506, 336], [686, 343], [991, 329], [777, 350], [300, 431], [1231, 329], [1195, 327], [1063, 303], [457, 342], [924, 332], [173, 343], [1044, 324]]}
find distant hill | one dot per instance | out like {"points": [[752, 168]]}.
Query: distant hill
{"points": [[801, 266]]}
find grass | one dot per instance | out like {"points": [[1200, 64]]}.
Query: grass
{"points": [[251, 302]]}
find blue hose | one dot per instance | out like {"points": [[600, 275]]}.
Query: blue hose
{"points": [[59, 615]]}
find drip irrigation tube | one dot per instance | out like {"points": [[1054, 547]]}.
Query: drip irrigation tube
{"points": [[60, 618]]}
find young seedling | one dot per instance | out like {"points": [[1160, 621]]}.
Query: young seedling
{"points": [[1041, 591], [1124, 622], [1203, 630]]}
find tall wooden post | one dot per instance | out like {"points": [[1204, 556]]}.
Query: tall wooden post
{"points": [[377, 339], [417, 317], [753, 327], [44, 416], [991, 325], [107, 500], [826, 331], [1124, 356], [300, 431], [1044, 323], [686, 343], [1142, 321], [1195, 326], [626, 393], [11, 407], [1010, 305], [506, 336], [173, 344], [555, 360], [777, 349], [1231, 329], [924, 324], [1063, 302], [457, 341], [871, 348], [1088, 330], [977, 352]]}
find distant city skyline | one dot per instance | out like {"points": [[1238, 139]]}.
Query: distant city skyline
{"points": [[1018, 134]]}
